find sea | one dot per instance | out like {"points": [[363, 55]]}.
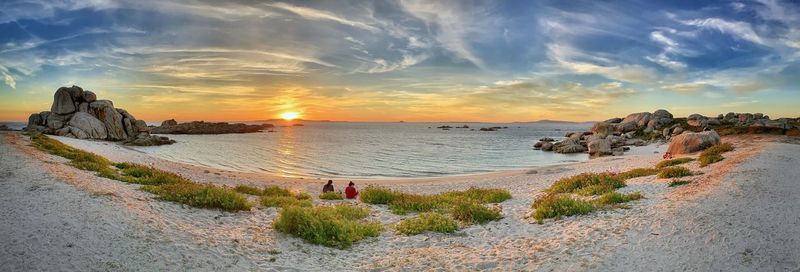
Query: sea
{"points": [[356, 150]]}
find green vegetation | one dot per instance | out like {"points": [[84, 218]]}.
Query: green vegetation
{"points": [[283, 201], [337, 226], [638, 172], [200, 195], [558, 205], [673, 162], [598, 183], [677, 182], [474, 213], [612, 198], [250, 190], [429, 221], [675, 172], [167, 186], [714, 154], [465, 206], [331, 196]]}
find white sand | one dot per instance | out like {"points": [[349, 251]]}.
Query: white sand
{"points": [[151, 234]]}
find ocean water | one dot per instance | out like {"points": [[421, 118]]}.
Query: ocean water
{"points": [[372, 150]]}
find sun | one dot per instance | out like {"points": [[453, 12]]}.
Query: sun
{"points": [[290, 115]]}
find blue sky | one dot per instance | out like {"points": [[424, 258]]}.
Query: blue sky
{"points": [[404, 60]]}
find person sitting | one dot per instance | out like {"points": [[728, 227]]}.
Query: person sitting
{"points": [[350, 192], [328, 187]]}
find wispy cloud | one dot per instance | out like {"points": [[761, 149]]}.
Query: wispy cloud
{"points": [[315, 14]]}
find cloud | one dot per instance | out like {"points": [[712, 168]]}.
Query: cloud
{"points": [[383, 66], [739, 30], [453, 25], [8, 79], [567, 58], [315, 14], [686, 88]]}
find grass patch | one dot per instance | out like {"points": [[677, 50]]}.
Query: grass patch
{"points": [[474, 213], [466, 206], [677, 182], [675, 172], [638, 172], [558, 205], [714, 154], [250, 190], [337, 226], [167, 186], [283, 201], [673, 162], [612, 198], [429, 221], [580, 182], [331, 196], [200, 195]]}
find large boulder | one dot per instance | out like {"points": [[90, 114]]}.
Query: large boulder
{"points": [[600, 147], [169, 123], [84, 125], [141, 126], [568, 146], [63, 102], [603, 129], [35, 120], [104, 111], [661, 118], [692, 142], [76, 93], [57, 121], [89, 96], [639, 118]]}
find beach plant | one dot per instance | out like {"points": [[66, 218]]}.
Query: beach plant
{"points": [[378, 195], [578, 182], [481, 195], [333, 226], [714, 154], [637, 172], [675, 172], [283, 201], [331, 196], [428, 221], [677, 182], [474, 213], [612, 198], [250, 190], [673, 162], [200, 195], [165, 185], [276, 191], [559, 205]]}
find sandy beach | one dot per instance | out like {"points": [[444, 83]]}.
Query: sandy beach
{"points": [[739, 215]]}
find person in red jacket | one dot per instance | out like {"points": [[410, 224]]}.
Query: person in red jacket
{"points": [[350, 192]]}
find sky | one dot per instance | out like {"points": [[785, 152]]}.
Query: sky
{"points": [[411, 60]]}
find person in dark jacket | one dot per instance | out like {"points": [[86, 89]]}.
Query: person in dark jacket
{"points": [[328, 187]]}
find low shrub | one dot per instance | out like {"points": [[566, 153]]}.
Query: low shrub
{"points": [[597, 189], [283, 201], [673, 162], [714, 154], [429, 221], [378, 195], [481, 195], [675, 172], [558, 205], [474, 213], [331, 196], [338, 226], [275, 191], [201, 196], [578, 182], [676, 182], [637, 172], [250, 190], [611, 198]]}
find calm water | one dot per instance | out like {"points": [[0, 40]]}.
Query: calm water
{"points": [[371, 150]]}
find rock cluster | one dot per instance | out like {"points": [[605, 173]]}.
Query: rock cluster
{"points": [[77, 113], [741, 120], [610, 137], [199, 127]]}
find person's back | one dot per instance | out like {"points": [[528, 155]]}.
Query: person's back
{"points": [[328, 187], [350, 192]]}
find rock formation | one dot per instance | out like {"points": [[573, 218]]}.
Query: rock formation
{"points": [[611, 136], [200, 127], [77, 113], [692, 142]]}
